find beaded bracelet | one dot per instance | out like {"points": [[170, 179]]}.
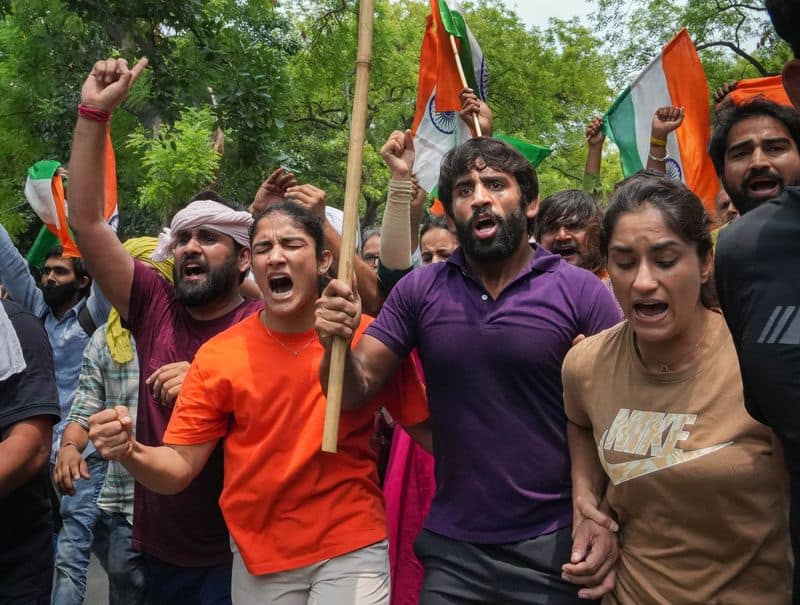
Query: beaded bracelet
{"points": [[94, 114]]}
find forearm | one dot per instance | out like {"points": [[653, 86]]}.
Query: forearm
{"points": [[16, 276], [593, 159], [24, 452], [160, 469], [86, 189], [657, 156], [368, 288], [355, 391], [75, 434], [588, 477], [395, 249]]}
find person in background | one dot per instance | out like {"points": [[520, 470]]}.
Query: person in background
{"points": [[109, 377], [437, 240], [568, 224], [370, 247], [29, 408]]}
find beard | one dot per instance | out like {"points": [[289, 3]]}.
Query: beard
{"points": [[220, 281], [56, 295], [510, 233], [743, 201]]}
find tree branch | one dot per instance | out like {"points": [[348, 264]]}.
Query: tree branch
{"points": [[750, 59]]}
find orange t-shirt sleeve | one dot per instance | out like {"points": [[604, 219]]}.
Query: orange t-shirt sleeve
{"points": [[198, 416], [574, 405], [404, 395]]}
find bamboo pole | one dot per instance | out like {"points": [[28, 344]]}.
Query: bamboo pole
{"points": [[460, 67], [358, 124]]}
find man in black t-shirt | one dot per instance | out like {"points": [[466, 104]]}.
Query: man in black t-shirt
{"points": [[28, 411], [757, 272]]}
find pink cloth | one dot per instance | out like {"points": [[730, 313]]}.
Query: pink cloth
{"points": [[408, 489]]}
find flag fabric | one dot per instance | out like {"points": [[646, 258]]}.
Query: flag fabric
{"points": [[770, 88], [676, 78], [535, 154], [437, 127], [44, 191]]}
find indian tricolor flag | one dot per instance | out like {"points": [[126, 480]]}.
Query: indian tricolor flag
{"points": [[675, 78], [44, 191], [437, 127]]}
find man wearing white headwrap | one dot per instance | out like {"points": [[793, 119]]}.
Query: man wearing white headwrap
{"points": [[204, 214], [183, 538]]}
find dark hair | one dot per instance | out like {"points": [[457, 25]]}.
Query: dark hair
{"points": [[495, 154], [568, 206], [785, 15], [301, 217], [730, 116], [682, 211], [366, 234], [434, 221], [78, 266]]}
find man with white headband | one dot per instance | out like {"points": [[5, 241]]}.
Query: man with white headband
{"points": [[183, 538]]}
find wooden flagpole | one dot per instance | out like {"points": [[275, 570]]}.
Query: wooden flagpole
{"points": [[352, 190], [454, 46]]}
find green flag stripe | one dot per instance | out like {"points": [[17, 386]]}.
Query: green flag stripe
{"points": [[41, 246], [620, 126], [453, 21], [43, 169], [455, 25], [533, 153]]}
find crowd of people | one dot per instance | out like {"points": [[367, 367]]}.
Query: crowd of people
{"points": [[553, 400]]}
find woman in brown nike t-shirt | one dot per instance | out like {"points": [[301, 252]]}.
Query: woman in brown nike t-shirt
{"points": [[658, 433]]}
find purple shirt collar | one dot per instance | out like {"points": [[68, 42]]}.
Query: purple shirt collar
{"points": [[542, 261]]}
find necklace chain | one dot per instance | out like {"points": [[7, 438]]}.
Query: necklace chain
{"points": [[285, 346]]}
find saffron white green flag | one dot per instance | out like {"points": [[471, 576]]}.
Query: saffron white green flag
{"points": [[675, 77], [437, 127]]}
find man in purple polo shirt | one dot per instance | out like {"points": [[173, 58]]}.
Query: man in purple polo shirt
{"points": [[492, 326], [183, 538]]}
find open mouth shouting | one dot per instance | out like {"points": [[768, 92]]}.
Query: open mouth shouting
{"points": [[484, 226], [193, 270], [764, 185], [566, 250], [650, 310], [280, 286]]}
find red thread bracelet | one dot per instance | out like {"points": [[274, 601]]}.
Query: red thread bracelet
{"points": [[91, 113]]}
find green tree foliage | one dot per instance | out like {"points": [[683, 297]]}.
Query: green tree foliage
{"points": [[176, 162], [237, 87], [220, 58], [735, 39]]}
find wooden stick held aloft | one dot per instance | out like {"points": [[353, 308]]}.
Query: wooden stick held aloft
{"points": [[352, 190], [460, 67]]}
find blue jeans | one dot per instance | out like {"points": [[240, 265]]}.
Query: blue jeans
{"points": [[124, 566], [79, 514], [169, 584]]}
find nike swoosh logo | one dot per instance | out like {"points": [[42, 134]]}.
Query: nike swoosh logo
{"points": [[625, 471]]}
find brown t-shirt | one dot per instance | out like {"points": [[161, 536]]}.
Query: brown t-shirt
{"points": [[692, 478]]}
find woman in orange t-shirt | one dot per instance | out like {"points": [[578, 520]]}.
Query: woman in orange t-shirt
{"points": [[305, 526]]}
